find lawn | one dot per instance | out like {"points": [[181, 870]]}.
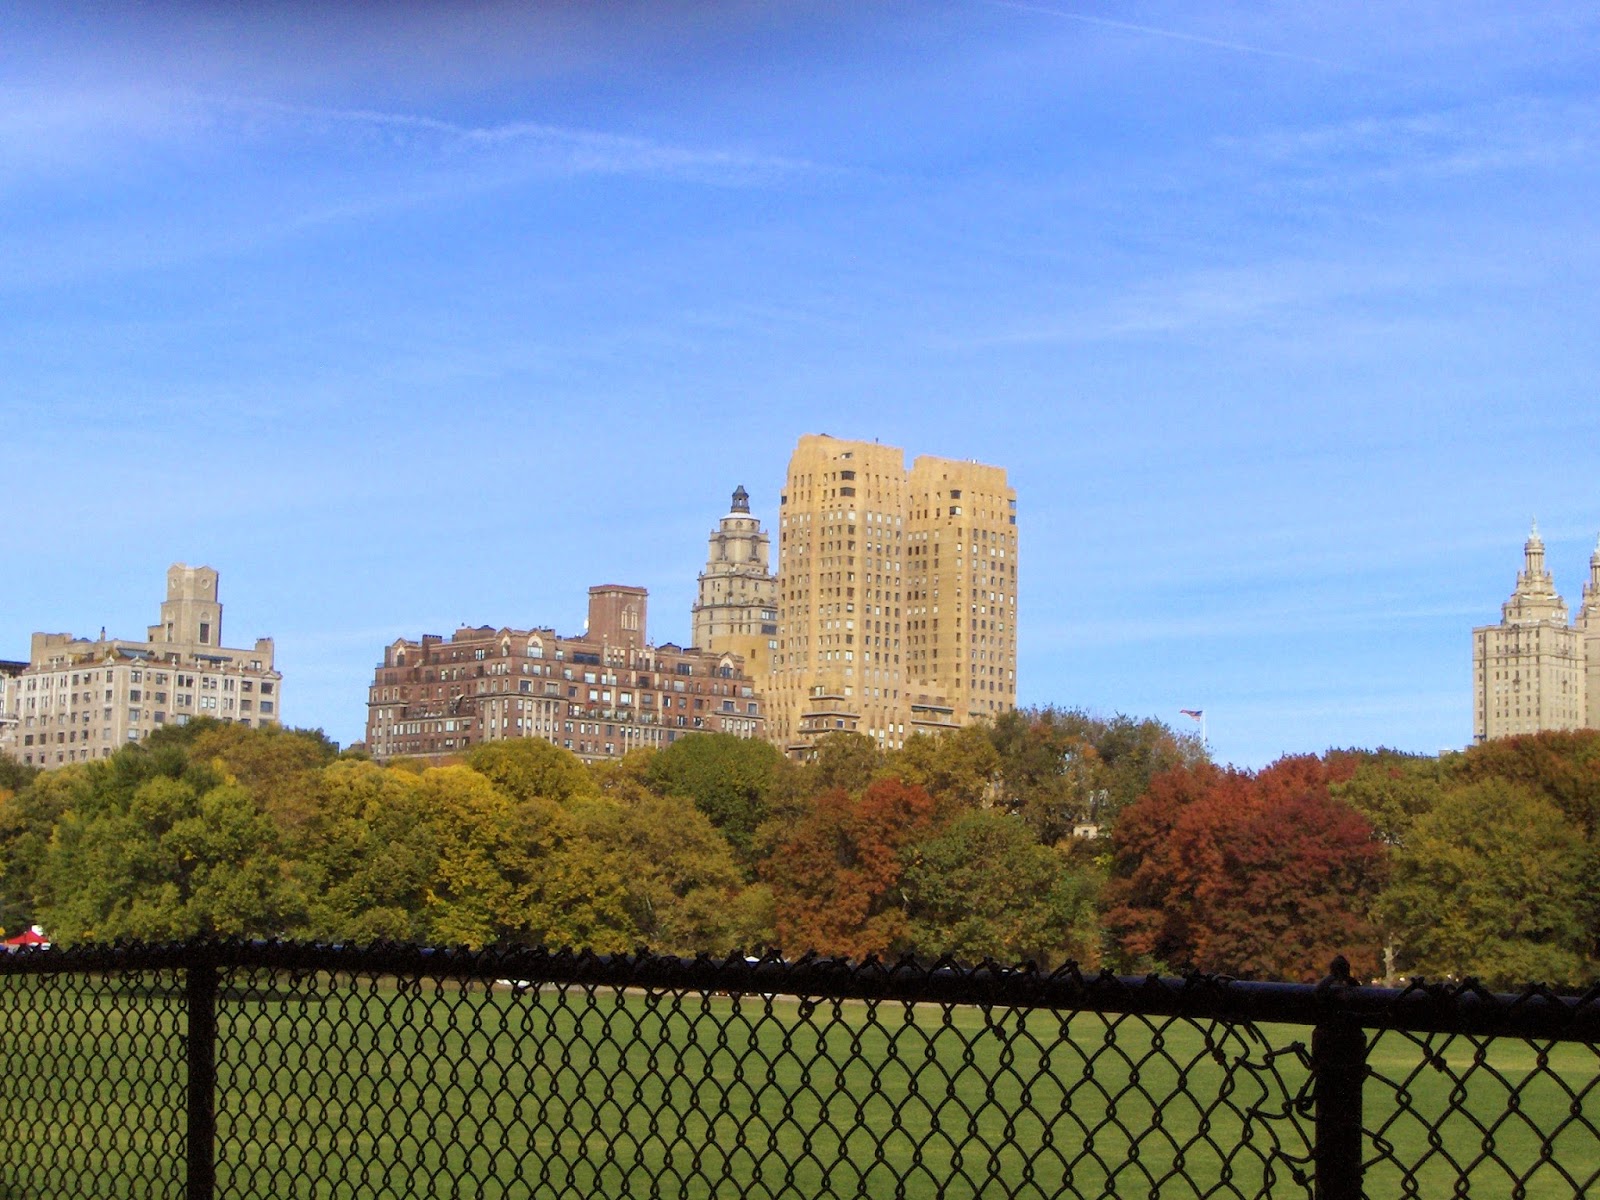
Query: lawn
{"points": [[341, 1088]]}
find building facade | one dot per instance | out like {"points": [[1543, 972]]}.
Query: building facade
{"points": [[1535, 671], [736, 609], [599, 694], [79, 699], [897, 595], [9, 671]]}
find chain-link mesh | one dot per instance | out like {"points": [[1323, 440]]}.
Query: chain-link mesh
{"points": [[92, 1085], [359, 1086], [410, 1073], [1459, 1115]]}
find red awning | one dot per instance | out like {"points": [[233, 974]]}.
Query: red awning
{"points": [[28, 938]]}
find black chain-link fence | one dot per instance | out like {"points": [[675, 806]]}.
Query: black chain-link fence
{"points": [[278, 1071]]}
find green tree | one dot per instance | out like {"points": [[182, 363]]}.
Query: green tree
{"points": [[1391, 790], [14, 776], [849, 761], [1494, 882], [983, 887], [155, 850], [27, 823], [1060, 767], [365, 854], [729, 779]]}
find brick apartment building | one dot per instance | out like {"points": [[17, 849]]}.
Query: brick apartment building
{"points": [[598, 694]]}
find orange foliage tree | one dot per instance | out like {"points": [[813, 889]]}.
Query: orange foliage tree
{"points": [[835, 876]]}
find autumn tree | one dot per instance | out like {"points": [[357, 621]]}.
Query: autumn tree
{"points": [[1261, 876], [514, 866], [531, 768], [365, 854], [682, 886], [1563, 766], [1495, 882], [157, 848], [959, 769], [835, 877]]}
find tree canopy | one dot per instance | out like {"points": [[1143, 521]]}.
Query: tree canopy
{"points": [[1045, 835]]}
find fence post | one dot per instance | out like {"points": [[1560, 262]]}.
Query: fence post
{"points": [[1338, 1073], [200, 991]]}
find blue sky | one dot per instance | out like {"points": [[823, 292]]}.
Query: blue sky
{"points": [[1281, 317]]}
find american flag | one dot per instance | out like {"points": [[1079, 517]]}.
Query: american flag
{"points": [[1196, 713]]}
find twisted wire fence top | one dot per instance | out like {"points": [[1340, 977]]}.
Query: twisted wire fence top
{"points": [[1454, 1007]]}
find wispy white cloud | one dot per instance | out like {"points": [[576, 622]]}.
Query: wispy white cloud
{"points": [[354, 164], [1200, 301], [1178, 35], [1279, 621], [1512, 135], [555, 148], [54, 133]]}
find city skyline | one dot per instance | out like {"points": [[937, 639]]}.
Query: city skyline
{"points": [[1280, 322]]}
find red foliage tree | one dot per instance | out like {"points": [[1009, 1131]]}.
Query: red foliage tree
{"points": [[835, 878], [1260, 876]]}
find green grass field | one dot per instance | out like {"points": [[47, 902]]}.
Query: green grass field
{"points": [[357, 1089]]}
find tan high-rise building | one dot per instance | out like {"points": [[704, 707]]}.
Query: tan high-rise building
{"points": [[1534, 671], [961, 588], [79, 699], [1588, 624], [736, 611], [896, 594]]}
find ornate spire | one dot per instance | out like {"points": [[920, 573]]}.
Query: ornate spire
{"points": [[1535, 599], [1533, 554], [741, 500]]}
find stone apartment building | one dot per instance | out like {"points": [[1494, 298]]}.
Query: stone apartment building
{"points": [[598, 694], [79, 698], [1534, 671], [9, 671], [896, 595]]}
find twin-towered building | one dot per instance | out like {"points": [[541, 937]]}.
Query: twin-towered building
{"points": [[1534, 671], [896, 595]]}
